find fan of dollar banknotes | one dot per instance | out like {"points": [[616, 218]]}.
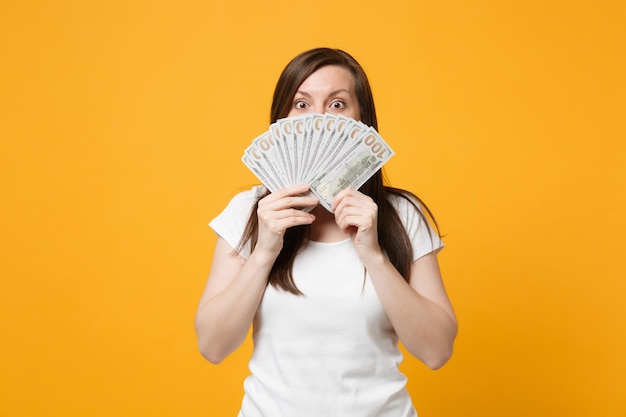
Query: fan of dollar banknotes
{"points": [[329, 152]]}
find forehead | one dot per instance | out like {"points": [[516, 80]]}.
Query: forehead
{"points": [[329, 78]]}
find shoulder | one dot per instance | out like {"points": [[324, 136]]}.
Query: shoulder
{"points": [[231, 222], [411, 213], [245, 200], [405, 203]]}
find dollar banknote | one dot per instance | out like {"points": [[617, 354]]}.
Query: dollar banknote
{"points": [[329, 152]]}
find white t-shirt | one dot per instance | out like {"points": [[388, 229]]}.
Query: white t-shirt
{"points": [[332, 351]]}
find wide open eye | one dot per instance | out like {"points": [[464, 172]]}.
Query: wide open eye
{"points": [[300, 105], [338, 105]]}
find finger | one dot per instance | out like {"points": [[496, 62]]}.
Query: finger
{"points": [[294, 202], [359, 211], [340, 196], [292, 213], [286, 207], [288, 202], [291, 190], [277, 222], [363, 223], [355, 200], [301, 190], [359, 220]]}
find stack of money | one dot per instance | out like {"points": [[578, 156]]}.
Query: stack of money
{"points": [[329, 152]]}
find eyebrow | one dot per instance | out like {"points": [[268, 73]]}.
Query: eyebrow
{"points": [[332, 93]]}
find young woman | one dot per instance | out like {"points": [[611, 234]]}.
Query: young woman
{"points": [[329, 296]]}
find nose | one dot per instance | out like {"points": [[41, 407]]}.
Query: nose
{"points": [[318, 108]]}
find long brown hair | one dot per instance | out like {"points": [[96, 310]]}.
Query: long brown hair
{"points": [[392, 235]]}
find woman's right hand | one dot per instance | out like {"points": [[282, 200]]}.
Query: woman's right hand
{"points": [[279, 211]]}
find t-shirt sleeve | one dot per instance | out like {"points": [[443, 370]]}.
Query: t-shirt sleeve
{"points": [[231, 222], [424, 239]]}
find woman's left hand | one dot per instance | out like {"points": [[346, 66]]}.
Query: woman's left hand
{"points": [[357, 215]]}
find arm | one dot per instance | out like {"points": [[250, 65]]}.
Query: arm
{"points": [[230, 300], [235, 286], [419, 310]]}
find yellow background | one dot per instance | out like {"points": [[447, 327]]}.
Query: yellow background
{"points": [[122, 124]]}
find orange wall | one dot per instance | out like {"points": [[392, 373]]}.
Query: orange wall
{"points": [[122, 124]]}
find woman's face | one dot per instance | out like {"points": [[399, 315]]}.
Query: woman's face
{"points": [[330, 89]]}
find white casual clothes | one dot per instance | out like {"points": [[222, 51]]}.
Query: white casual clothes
{"points": [[332, 351]]}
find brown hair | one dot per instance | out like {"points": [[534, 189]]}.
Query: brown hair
{"points": [[392, 235]]}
